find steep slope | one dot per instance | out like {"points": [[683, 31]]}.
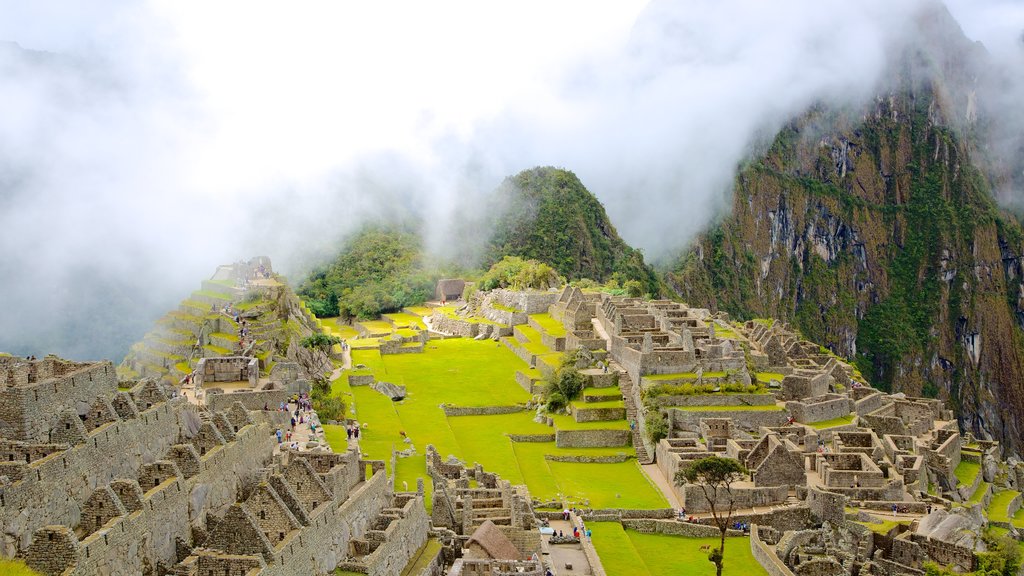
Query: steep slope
{"points": [[877, 235], [547, 214], [205, 326]]}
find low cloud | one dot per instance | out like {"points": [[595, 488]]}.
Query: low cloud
{"points": [[144, 143]]}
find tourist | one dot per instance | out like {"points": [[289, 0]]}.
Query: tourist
{"points": [[356, 431], [565, 514], [588, 533], [293, 423], [280, 435], [266, 406], [348, 430]]}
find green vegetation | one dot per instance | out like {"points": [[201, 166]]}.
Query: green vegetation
{"points": [[422, 558], [998, 507], [841, 421], [464, 372], [379, 270], [547, 214], [966, 472], [979, 493], [15, 568], [883, 526], [518, 274], [566, 385], [630, 552], [715, 476]]}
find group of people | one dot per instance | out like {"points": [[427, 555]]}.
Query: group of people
{"points": [[352, 430]]}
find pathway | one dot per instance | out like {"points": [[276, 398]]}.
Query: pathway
{"points": [[659, 480], [566, 554]]}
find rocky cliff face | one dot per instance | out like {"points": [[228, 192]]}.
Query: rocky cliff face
{"points": [[876, 234]]}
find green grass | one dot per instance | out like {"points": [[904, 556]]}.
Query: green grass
{"points": [[966, 472], [767, 377], [215, 295], [756, 408], [1018, 519], [612, 392], [630, 552], [841, 421], [335, 327], [550, 325], [997, 507], [16, 568], [979, 494], [503, 308], [610, 403], [419, 310], [465, 372], [336, 437], [422, 559], [407, 470], [376, 326], [405, 320], [882, 528]]}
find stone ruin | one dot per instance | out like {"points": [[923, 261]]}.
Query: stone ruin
{"points": [[154, 484]]}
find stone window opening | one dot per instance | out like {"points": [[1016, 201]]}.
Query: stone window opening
{"points": [[280, 535]]}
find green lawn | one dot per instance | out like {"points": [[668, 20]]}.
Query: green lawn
{"points": [[422, 559], [550, 325], [966, 472], [1018, 519], [630, 552], [376, 326], [767, 377], [336, 328], [405, 320], [465, 372], [420, 311], [841, 421], [979, 494], [884, 527], [15, 568], [997, 507]]}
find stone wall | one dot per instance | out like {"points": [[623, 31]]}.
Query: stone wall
{"points": [[591, 438], [402, 539], [584, 414], [828, 408], [251, 399], [717, 400], [115, 450], [227, 369], [765, 557], [149, 536], [450, 410], [695, 501], [689, 420], [32, 393]]}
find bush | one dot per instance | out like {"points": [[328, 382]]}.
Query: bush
{"points": [[657, 428], [329, 407], [569, 382], [519, 274], [555, 401]]}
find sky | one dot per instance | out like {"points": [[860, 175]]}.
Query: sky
{"points": [[145, 142]]}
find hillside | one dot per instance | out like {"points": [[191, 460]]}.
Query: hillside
{"points": [[876, 234], [209, 324], [547, 214]]}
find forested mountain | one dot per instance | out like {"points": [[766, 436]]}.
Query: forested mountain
{"points": [[876, 234]]}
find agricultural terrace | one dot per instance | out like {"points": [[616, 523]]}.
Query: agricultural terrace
{"points": [[630, 552], [464, 372]]}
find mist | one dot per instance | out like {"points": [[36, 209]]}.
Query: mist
{"points": [[143, 143]]}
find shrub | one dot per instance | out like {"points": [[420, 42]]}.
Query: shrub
{"points": [[329, 407], [555, 401], [657, 427]]}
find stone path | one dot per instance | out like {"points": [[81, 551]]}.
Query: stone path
{"points": [[654, 473], [562, 554]]}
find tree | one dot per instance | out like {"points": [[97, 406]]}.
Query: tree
{"points": [[715, 476], [314, 357]]}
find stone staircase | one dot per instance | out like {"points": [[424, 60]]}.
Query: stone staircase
{"points": [[632, 415]]}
